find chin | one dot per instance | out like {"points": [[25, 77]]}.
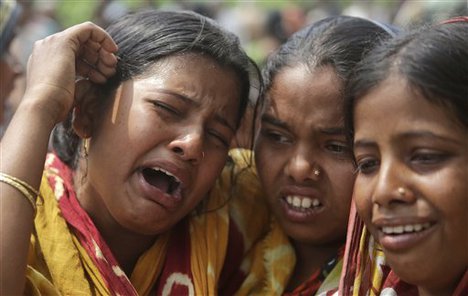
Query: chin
{"points": [[441, 280]]}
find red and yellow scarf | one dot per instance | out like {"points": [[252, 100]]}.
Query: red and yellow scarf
{"points": [[365, 271], [68, 256]]}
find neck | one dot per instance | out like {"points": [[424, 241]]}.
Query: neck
{"points": [[310, 258], [125, 245], [440, 290], [432, 292]]}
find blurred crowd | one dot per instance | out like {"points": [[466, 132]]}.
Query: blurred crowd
{"points": [[260, 25]]}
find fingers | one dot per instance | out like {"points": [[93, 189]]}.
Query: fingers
{"points": [[83, 69], [96, 65], [88, 31], [94, 58]]}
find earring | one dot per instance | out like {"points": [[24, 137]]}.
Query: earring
{"points": [[203, 154], [85, 150], [401, 191], [86, 147], [316, 172]]}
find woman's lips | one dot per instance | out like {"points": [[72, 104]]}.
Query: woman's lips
{"points": [[300, 204], [398, 237], [169, 202], [300, 209]]}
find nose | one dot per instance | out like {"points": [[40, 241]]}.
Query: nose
{"points": [[392, 186], [301, 168], [189, 146]]}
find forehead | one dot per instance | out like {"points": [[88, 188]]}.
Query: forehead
{"points": [[394, 107], [299, 92], [197, 77]]}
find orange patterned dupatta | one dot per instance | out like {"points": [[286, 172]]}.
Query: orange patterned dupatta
{"points": [[365, 271]]}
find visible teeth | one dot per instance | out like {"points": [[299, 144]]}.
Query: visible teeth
{"points": [[405, 228], [296, 201], [302, 202], [167, 173], [409, 228], [398, 229], [315, 202], [306, 203]]}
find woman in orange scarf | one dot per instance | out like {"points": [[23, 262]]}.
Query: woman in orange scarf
{"points": [[129, 203], [411, 189]]}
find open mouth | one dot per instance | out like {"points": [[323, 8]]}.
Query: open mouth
{"points": [[163, 181], [302, 203], [405, 229]]}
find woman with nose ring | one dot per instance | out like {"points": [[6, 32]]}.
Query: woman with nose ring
{"points": [[303, 160], [410, 237]]}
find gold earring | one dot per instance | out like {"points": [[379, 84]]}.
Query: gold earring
{"points": [[86, 147]]}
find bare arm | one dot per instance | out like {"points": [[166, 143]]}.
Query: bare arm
{"points": [[49, 96]]}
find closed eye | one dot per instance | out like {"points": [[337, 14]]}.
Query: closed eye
{"points": [[166, 108], [219, 138]]}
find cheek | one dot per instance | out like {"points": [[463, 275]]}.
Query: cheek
{"points": [[362, 200], [268, 165], [342, 178]]}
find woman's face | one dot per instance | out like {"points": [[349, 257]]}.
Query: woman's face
{"points": [[404, 141], [161, 144], [302, 131]]}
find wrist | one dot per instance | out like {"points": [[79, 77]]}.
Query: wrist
{"points": [[38, 112]]}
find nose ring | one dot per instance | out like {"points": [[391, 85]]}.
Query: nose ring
{"points": [[316, 172], [401, 191]]}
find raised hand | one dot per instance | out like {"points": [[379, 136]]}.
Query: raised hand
{"points": [[84, 50]]}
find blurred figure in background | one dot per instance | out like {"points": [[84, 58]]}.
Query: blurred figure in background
{"points": [[10, 68]]}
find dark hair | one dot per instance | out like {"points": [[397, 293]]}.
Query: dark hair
{"points": [[434, 62], [338, 41], [147, 36]]}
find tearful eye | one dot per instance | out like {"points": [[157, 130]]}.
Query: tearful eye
{"points": [[161, 180]]}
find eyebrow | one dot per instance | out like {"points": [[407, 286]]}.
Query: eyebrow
{"points": [[190, 101], [274, 121], [363, 143], [407, 135], [179, 96], [427, 134], [333, 131]]}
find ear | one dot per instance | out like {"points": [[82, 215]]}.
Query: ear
{"points": [[86, 98]]}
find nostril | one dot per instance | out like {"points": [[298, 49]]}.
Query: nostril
{"points": [[178, 150]]}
